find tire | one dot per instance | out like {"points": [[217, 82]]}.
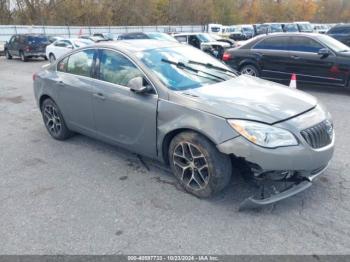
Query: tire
{"points": [[54, 121], [200, 168], [23, 57], [52, 58], [45, 58], [250, 69], [8, 55]]}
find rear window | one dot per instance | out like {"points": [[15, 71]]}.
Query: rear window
{"points": [[35, 40]]}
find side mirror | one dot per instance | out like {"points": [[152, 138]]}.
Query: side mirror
{"points": [[70, 47], [324, 52], [136, 85]]}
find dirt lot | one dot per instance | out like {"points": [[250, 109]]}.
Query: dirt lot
{"points": [[85, 197]]}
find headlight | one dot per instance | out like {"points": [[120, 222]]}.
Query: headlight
{"points": [[263, 135]]}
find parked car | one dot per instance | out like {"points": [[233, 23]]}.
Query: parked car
{"points": [[146, 35], [26, 46], [54, 38], [290, 27], [304, 27], [315, 58], [218, 38], [173, 103], [105, 36], [204, 42], [95, 39], [240, 32], [341, 33], [2, 48], [61, 47], [267, 28], [320, 28]]}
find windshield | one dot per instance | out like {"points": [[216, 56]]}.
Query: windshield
{"points": [[275, 28], [179, 78], [205, 38], [305, 27], [248, 29], [35, 40], [333, 44], [291, 28], [160, 36]]}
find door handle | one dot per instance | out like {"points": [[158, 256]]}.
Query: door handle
{"points": [[100, 96], [295, 57]]}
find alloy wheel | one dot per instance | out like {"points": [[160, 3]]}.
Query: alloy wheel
{"points": [[191, 165], [248, 71], [52, 120]]}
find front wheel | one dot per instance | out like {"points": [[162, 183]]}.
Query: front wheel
{"points": [[54, 121], [250, 70], [201, 169]]}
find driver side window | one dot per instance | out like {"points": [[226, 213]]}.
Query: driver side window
{"points": [[117, 69]]}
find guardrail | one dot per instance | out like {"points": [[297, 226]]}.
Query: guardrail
{"points": [[6, 31]]}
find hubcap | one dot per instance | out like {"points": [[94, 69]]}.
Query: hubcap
{"points": [[52, 120], [191, 165], [248, 71]]}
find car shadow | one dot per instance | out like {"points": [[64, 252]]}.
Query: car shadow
{"points": [[230, 198]]}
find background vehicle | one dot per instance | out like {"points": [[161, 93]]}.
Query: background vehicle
{"points": [[2, 48], [315, 58], [290, 27], [320, 28], [106, 36], [26, 46], [135, 95], [214, 28], [341, 33], [240, 32], [95, 39], [146, 35], [218, 38], [61, 47], [304, 27], [204, 42]]}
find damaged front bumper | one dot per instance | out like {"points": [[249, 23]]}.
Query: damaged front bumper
{"points": [[300, 184]]}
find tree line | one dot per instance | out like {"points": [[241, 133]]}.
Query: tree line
{"points": [[170, 12]]}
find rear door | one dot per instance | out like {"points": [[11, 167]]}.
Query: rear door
{"points": [[37, 43], [75, 87], [272, 57], [122, 116], [309, 66]]}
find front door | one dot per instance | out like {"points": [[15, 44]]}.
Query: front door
{"points": [[309, 66], [122, 116]]}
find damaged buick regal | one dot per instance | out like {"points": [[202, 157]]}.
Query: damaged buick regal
{"points": [[178, 105]]}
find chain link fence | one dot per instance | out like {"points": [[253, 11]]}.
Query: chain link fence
{"points": [[6, 31]]}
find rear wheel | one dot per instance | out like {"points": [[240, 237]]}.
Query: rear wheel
{"points": [[250, 70], [54, 121], [52, 58], [201, 169], [8, 55], [22, 56]]}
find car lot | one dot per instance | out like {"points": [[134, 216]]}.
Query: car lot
{"points": [[85, 197]]}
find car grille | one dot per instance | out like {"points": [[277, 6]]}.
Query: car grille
{"points": [[319, 135]]}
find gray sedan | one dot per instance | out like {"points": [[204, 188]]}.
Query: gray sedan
{"points": [[183, 107]]}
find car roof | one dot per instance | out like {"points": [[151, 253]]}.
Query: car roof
{"points": [[180, 34], [137, 45]]}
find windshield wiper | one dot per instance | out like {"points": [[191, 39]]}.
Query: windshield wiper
{"points": [[208, 65], [183, 66]]}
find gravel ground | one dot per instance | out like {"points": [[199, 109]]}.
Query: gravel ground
{"points": [[85, 197]]}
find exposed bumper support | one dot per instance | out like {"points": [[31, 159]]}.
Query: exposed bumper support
{"points": [[303, 184]]}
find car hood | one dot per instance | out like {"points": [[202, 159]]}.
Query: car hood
{"points": [[246, 97]]}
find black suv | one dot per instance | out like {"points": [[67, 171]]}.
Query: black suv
{"points": [[26, 46], [341, 33]]}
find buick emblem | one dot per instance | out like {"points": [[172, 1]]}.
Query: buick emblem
{"points": [[329, 128]]}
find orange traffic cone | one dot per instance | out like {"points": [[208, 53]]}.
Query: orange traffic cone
{"points": [[293, 81]]}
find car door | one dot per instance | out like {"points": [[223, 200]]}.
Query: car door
{"points": [[272, 57], [122, 116], [13, 45], [309, 66], [75, 87], [62, 47]]}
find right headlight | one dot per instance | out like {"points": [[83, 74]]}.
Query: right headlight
{"points": [[262, 134]]}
